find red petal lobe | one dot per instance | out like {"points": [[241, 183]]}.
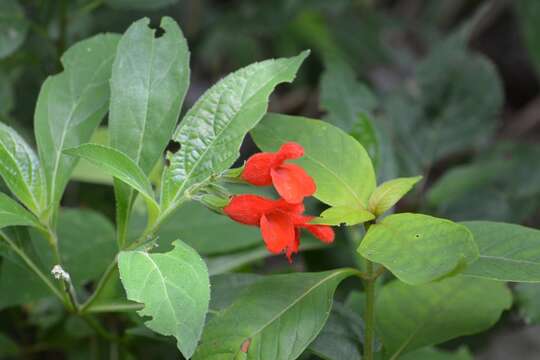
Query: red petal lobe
{"points": [[248, 209], [277, 231], [292, 183], [257, 169]]}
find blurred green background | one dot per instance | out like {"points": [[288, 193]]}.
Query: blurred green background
{"points": [[447, 89]]}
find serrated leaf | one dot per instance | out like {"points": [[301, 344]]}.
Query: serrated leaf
{"points": [[21, 170], [344, 97], [508, 252], [339, 165], [13, 214], [175, 289], [13, 27], [150, 77], [338, 215], [263, 326], [419, 248], [213, 129], [389, 193], [410, 317], [70, 106], [120, 166]]}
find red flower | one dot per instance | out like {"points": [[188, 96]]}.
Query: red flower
{"points": [[290, 180], [280, 222]]}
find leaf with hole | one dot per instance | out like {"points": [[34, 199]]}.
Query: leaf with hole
{"points": [[337, 162], [419, 248], [213, 129], [174, 288], [338, 215]]}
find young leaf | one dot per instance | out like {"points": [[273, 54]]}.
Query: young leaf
{"points": [[70, 106], [508, 252], [419, 248], [13, 214], [338, 215], [339, 165], [410, 317], [264, 326], [13, 27], [175, 289], [389, 193], [150, 77], [121, 167], [21, 171], [213, 129]]}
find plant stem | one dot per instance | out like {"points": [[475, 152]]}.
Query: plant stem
{"points": [[369, 311]]}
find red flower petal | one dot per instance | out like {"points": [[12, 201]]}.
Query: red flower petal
{"points": [[322, 232], [288, 151], [248, 209], [257, 169], [277, 231], [293, 247], [292, 183]]}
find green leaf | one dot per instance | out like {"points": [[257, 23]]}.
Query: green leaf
{"points": [[528, 300], [139, 4], [213, 129], [365, 132], [389, 193], [419, 248], [338, 215], [70, 106], [527, 12], [434, 354], [226, 288], [87, 172], [175, 289], [264, 326], [410, 317], [13, 27], [341, 336], [343, 97], [508, 252], [13, 214], [339, 165], [121, 167], [21, 171]]}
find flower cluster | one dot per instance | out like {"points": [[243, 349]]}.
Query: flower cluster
{"points": [[280, 220]]}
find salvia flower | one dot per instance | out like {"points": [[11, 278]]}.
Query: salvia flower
{"points": [[280, 222], [290, 181]]}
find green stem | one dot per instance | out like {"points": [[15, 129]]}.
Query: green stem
{"points": [[100, 286], [33, 267], [369, 311]]}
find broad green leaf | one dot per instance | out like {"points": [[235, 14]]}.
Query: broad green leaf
{"points": [[339, 165], [121, 167], [226, 288], [389, 193], [150, 77], [410, 317], [213, 129], [264, 326], [419, 248], [13, 214], [365, 132], [508, 252], [528, 300], [139, 4], [343, 97], [13, 27], [8, 347], [87, 172], [70, 106], [175, 289], [338, 215], [341, 336], [21, 171], [435, 354]]}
